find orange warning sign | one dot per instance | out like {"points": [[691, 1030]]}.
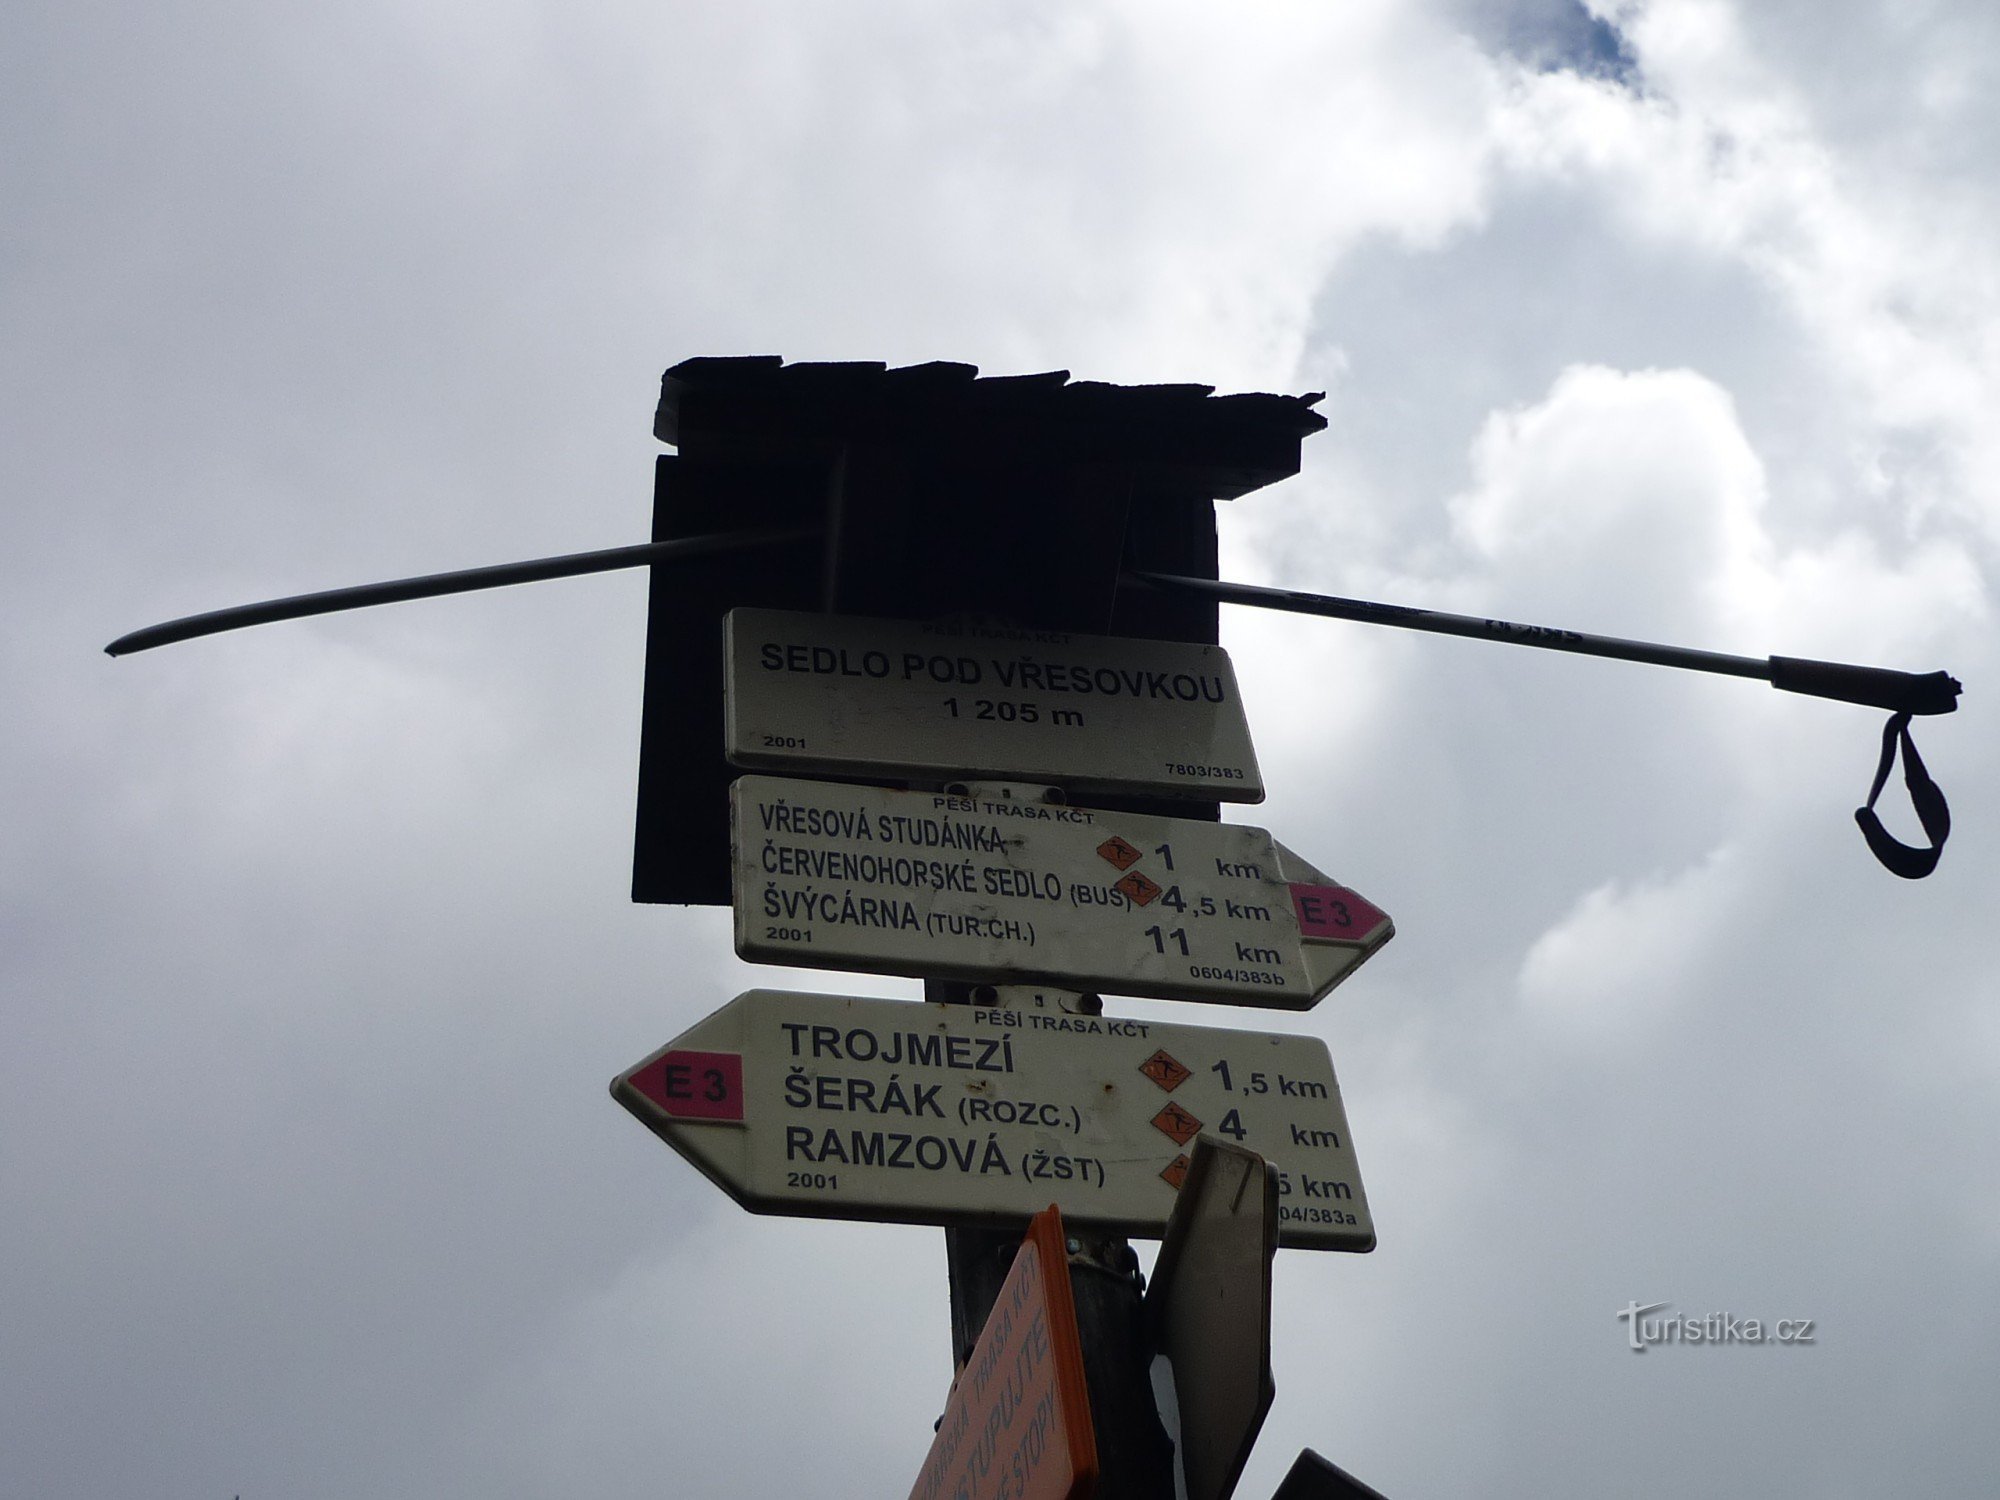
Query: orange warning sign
{"points": [[1166, 1070], [1017, 1423], [1120, 853], [1137, 887], [1174, 1173], [1177, 1123]]}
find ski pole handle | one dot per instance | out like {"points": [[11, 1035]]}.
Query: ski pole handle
{"points": [[1877, 687]]}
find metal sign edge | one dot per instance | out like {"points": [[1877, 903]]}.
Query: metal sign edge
{"points": [[1207, 1154]]}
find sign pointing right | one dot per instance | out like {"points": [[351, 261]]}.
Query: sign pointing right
{"points": [[981, 885]]}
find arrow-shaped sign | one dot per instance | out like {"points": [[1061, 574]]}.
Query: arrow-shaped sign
{"points": [[832, 1107], [982, 886]]}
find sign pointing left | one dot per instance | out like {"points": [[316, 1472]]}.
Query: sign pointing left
{"points": [[828, 1106]]}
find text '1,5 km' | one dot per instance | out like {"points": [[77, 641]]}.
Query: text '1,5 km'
{"points": [[986, 886], [829, 1106]]}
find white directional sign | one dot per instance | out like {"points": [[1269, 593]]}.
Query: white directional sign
{"points": [[831, 1107], [934, 702], [983, 886]]}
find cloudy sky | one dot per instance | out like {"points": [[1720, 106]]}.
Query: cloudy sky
{"points": [[1673, 319]]}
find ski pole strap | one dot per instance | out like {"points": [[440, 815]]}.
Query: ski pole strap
{"points": [[1897, 857]]}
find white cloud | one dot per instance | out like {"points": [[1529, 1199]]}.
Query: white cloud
{"points": [[730, 1363], [1229, 159], [1855, 601], [1721, 156], [1623, 957], [1642, 477]]}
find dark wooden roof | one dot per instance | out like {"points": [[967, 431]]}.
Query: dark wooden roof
{"points": [[1230, 445]]}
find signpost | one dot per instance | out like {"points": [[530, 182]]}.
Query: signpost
{"points": [[985, 885], [892, 698], [928, 493], [826, 1106], [1017, 1425], [1210, 1309]]}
